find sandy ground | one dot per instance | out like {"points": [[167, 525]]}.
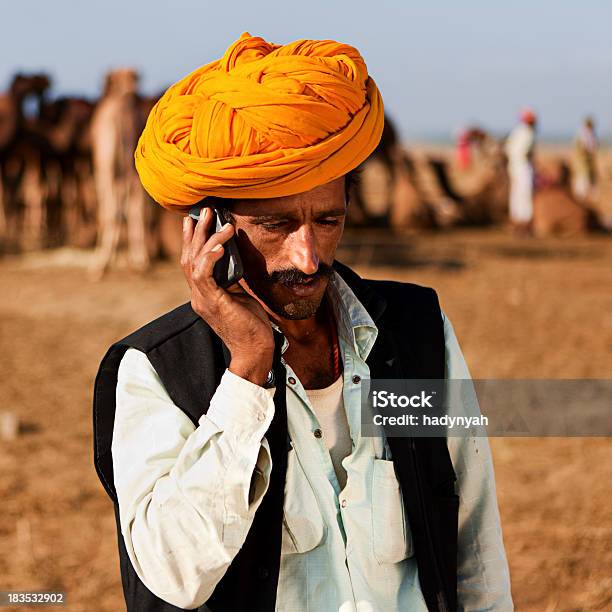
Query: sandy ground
{"points": [[520, 309]]}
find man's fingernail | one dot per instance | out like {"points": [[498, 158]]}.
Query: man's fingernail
{"points": [[185, 221], [217, 247], [225, 226]]}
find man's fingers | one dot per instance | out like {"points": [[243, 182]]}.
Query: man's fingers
{"points": [[202, 270], [187, 233], [186, 247], [205, 234], [202, 230], [220, 237], [200, 255]]}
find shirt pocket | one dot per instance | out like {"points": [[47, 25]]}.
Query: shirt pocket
{"points": [[391, 535], [303, 525]]}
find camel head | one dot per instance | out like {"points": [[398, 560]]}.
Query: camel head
{"points": [[120, 82], [29, 84], [554, 174]]}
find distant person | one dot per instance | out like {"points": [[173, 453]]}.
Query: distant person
{"points": [[585, 162], [463, 150], [519, 149]]}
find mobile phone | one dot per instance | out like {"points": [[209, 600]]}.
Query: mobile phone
{"points": [[228, 270]]}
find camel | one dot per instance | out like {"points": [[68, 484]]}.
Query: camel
{"points": [[45, 165], [556, 212], [70, 198], [116, 124], [8, 129], [371, 195], [385, 194], [165, 228], [485, 204], [22, 152], [411, 209]]}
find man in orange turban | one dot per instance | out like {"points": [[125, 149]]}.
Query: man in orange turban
{"points": [[228, 432]]}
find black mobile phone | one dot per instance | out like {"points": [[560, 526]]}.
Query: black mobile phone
{"points": [[228, 270]]}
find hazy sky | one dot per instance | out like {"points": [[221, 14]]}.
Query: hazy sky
{"points": [[439, 64]]}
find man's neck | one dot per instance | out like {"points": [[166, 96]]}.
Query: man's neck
{"points": [[304, 330]]}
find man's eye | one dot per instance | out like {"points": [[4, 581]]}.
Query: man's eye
{"points": [[282, 224], [328, 221]]}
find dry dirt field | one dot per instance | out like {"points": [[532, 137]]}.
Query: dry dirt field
{"points": [[520, 308]]}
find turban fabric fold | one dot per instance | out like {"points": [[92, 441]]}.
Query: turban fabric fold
{"points": [[263, 121]]}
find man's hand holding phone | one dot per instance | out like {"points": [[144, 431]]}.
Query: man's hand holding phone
{"points": [[233, 313]]}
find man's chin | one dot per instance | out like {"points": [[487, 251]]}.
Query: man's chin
{"points": [[304, 308], [299, 307]]}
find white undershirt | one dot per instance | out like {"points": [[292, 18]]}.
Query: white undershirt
{"points": [[328, 405]]}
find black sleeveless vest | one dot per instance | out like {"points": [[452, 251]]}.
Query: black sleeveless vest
{"points": [[190, 360]]}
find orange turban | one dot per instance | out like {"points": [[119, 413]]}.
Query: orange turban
{"points": [[264, 121]]}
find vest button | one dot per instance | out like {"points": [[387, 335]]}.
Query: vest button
{"points": [[291, 380], [317, 433], [263, 573], [356, 379]]}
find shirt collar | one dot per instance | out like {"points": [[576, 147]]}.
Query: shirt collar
{"points": [[355, 325]]}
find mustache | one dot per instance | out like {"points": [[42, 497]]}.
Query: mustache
{"points": [[293, 276]]}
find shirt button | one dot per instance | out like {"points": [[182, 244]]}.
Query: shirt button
{"points": [[261, 416], [317, 433], [343, 503], [291, 380], [356, 379]]}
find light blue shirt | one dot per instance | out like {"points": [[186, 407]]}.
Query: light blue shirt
{"points": [[365, 560], [187, 496]]}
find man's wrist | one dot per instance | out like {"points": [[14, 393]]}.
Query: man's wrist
{"points": [[256, 373]]}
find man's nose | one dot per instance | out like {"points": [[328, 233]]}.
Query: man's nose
{"points": [[303, 250]]}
